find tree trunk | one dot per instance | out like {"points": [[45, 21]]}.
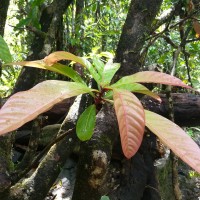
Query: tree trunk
{"points": [[3, 14], [138, 172]]}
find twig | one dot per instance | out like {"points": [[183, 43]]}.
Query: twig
{"points": [[32, 29]]}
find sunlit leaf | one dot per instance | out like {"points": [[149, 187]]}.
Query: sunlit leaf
{"points": [[109, 71], [62, 55], [23, 22], [36, 64], [175, 138], [25, 106], [134, 87], [99, 65], [4, 51], [150, 77], [130, 117], [57, 67], [86, 123]]}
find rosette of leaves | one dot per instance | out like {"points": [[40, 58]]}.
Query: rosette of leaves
{"points": [[132, 117]]}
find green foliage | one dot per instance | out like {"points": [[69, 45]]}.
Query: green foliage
{"points": [[32, 11], [98, 25], [86, 123], [130, 113], [104, 198], [5, 54], [8, 75]]}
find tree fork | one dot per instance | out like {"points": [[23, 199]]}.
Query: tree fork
{"points": [[95, 156]]}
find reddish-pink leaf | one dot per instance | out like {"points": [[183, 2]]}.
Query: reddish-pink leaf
{"points": [[25, 106], [36, 63], [175, 138], [62, 55], [150, 77], [136, 87], [130, 117]]}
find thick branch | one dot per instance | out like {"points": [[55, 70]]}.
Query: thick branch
{"points": [[186, 108], [136, 29], [3, 15], [95, 157]]}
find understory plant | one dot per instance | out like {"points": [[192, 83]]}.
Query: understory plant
{"points": [[132, 117]]}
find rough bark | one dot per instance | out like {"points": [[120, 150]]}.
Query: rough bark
{"points": [[95, 156], [3, 14], [186, 108], [136, 29], [139, 172]]}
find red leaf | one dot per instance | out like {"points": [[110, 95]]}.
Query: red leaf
{"points": [[25, 106], [136, 87], [175, 138], [150, 77], [130, 116], [62, 55]]}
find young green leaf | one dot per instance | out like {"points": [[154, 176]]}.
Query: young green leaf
{"points": [[135, 87], [66, 71], [150, 77], [104, 198], [4, 51], [25, 106], [57, 67], [99, 65], [86, 123], [175, 138], [109, 71], [131, 121], [62, 55]]}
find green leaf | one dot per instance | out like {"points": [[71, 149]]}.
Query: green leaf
{"points": [[23, 22], [65, 70], [25, 106], [150, 77], [105, 198], [99, 65], [57, 67], [175, 138], [134, 87], [62, 55], [130, 117], [86, 123], [5, 54], [108, 72]]}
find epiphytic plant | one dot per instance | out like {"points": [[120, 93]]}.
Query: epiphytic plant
{"points": [[132, 117]]}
